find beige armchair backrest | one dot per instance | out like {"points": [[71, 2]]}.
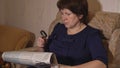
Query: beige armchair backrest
{"points": [[109, 24], [106, 22], [57, 20]]}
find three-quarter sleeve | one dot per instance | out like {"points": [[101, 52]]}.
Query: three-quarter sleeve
{"points": [[96, 47]]}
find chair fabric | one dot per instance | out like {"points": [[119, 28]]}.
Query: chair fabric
{"points": [[13, 38]]}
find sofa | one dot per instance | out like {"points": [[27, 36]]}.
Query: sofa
{"points": [[13, 38], [109, 24]]}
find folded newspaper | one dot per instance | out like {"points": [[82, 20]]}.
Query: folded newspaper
{"points": [[29, 58]]}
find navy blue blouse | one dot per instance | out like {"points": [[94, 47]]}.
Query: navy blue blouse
{"points": [[76, 49]]}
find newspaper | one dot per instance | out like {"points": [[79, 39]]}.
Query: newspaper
{"points": [[29, 58]]}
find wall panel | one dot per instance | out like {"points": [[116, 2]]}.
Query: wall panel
{"points": [[2, 11]]}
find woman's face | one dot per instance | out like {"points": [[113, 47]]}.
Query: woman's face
{"points": [[70, 20]]}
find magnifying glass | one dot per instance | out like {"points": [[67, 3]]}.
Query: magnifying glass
{"points": [[43, 33]]}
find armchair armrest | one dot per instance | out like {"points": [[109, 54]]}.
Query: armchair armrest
{"points": [[114, 46]]}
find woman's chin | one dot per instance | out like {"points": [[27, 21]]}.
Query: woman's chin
{"points": [[66, 26]]}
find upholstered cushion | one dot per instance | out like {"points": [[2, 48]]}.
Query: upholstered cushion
{"points": [[107, 22]]}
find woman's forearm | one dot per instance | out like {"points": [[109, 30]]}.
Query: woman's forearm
{"points": [[91, 64]]}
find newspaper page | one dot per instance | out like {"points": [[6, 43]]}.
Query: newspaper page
{"points": [[29, 58]]}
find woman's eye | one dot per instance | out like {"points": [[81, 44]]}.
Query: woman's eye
{"points": [[68, 14]]}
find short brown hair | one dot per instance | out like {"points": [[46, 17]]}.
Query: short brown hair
{"points": [[78, 7]]}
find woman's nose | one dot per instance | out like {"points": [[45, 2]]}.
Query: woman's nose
{"points": [[64, 18]]}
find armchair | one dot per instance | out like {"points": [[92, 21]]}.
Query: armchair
{"points": [[109, 24], [13, 38]]}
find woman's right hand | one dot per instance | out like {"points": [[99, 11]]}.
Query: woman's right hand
{"points": [[40, 42]]}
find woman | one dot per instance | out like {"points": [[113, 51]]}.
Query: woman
{"points": [[76, 44]]}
